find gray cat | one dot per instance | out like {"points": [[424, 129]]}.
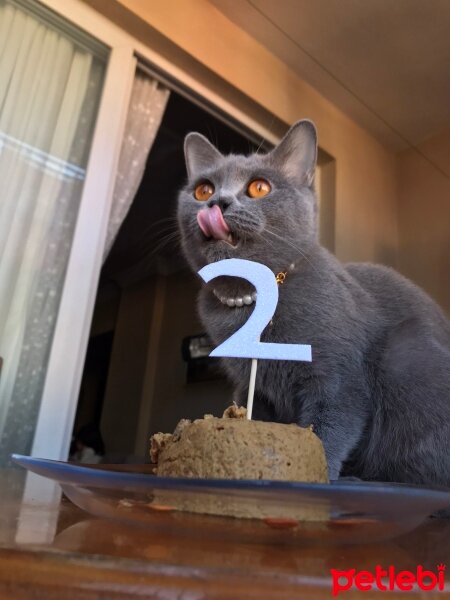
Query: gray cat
{"points": [[378, 389]]}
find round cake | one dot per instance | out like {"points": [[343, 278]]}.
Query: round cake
{"points": [[233, 447]]}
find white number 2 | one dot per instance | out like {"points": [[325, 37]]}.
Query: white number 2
{"points": [[245, 342]]}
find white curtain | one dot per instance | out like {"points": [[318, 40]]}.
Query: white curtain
{"points": [[146, 110], [49, 93]]}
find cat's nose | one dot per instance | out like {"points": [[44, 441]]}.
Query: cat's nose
{"points": [[222, 201]]}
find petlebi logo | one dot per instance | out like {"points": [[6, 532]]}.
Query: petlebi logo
{"points": [[388, 579]]}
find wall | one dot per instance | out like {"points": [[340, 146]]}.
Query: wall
{"points": [[424, 217], [196, 36]]}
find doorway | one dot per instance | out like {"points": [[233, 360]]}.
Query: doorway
{"points": [[138, 377]]}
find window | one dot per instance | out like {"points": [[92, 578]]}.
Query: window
{"points": [[51, 81]]}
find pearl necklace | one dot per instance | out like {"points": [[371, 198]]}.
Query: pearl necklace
{"points": [[248, 299], [238, 301]]}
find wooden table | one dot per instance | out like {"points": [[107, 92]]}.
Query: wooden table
{"points": [[90, 558]]}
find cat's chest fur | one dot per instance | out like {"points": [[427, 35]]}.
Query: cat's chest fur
{"points": [[305, 314]]}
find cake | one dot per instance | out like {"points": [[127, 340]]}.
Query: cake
{"points": [[233, 447]]}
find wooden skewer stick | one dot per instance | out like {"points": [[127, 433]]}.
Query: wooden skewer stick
{"points": [[251, 388]]}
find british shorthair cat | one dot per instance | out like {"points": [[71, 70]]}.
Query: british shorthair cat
{"points": [[378, 389]]}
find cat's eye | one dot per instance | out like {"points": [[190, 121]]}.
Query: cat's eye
{"points": [[258, 188], [204, 191]]}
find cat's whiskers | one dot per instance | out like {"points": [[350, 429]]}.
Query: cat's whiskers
{"points": [[265, 240], [167, 226], [289, 243], [172, 218], [174, 236], [166, 222]]}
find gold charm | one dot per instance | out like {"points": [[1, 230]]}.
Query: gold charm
{"points": [[280, 277]]}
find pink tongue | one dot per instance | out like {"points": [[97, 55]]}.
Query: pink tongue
{"points": [[212, 223]]}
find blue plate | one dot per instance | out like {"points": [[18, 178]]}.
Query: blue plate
{"points": [[258, 510]]}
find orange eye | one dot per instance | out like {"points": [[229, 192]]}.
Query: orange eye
{"points": [[204, 191], [258, 188]]}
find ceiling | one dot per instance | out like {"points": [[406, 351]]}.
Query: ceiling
{"points": [[385, 63]]}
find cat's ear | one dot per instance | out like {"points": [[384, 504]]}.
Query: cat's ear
{"points": [[200, 154], [296, 154]]}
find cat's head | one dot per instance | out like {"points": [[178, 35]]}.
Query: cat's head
{"points": [[260, 207]]}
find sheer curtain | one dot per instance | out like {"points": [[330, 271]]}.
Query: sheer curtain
{"points": [[49, 92], [146, 110]]}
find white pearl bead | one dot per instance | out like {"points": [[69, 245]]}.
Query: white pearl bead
{"points": [[230, 302], [254, 296], [247, 299], [239, 302], [223, 300]]}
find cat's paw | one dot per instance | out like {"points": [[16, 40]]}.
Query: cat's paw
{"points": [[333, 472]]}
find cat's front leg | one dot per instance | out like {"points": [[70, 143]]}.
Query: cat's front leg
{"points": [[338, 417], [338, 446]]}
